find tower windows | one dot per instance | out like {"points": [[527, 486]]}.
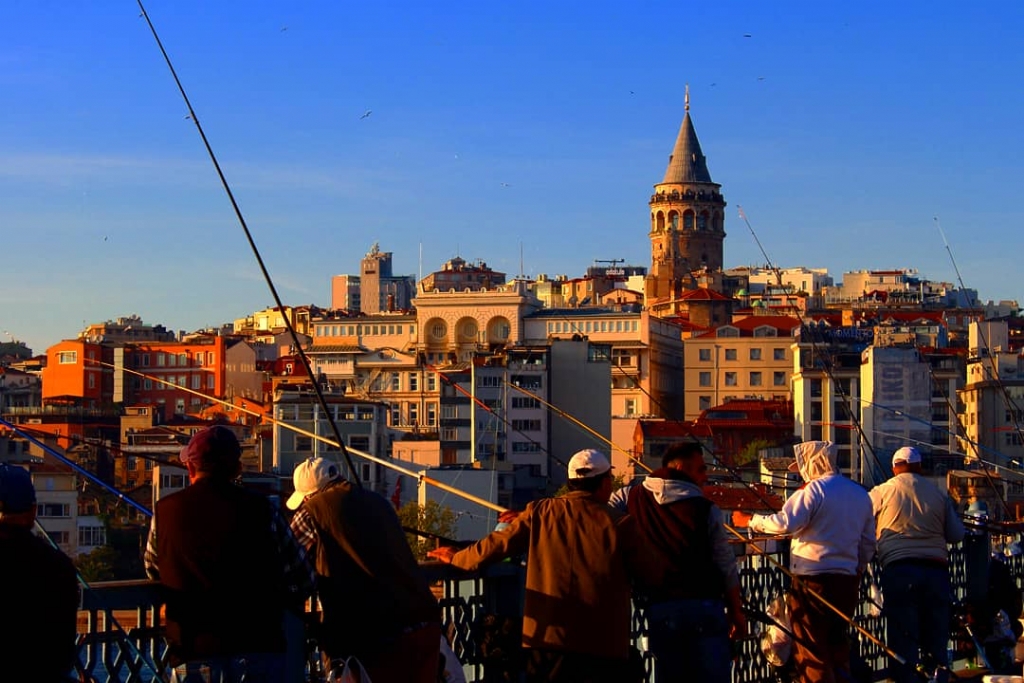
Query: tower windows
{"points": [[702, 221], [673, 219], [688, 220]]}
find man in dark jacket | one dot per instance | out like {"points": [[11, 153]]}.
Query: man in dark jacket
{"points": [[581, 557], [693, 612], [229, 566], [377, 605], [40, 606]]}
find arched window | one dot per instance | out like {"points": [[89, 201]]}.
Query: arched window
{"points": [[673, 220], [688, 220], [702, 221], [660, 227]]}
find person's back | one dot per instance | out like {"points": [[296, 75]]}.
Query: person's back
{"points": [[915, 519], [365, 567], [38, 629], [220, 570], [832, 538]]}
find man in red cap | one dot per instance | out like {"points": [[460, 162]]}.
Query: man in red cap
{"points": [[581, 556], [229, 566], [37, 631]]}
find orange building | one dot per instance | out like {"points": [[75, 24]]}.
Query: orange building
{"points": [[175, 374], [74, 374]]}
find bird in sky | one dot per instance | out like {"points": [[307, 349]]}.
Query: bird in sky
{"points": [[283, 29], [188, 116], [505, 185], [747, 35], [368, 112], [760, 78]]}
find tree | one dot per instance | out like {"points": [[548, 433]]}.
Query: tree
{"points": [[748, 454], [97, 565], [432, 518]]}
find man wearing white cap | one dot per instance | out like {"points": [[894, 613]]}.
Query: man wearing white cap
{"points": [[581, 556], [915, 522], [377, 605], [833, 540]]}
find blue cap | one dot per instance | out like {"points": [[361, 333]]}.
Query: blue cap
{"points": [[17, 495]]}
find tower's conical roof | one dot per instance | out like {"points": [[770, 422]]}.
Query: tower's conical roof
{"points": [[687, 163]]}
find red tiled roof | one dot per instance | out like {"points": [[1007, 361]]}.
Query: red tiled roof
{"points": [[703, 294]]}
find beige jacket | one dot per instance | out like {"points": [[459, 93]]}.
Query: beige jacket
{"points": [[915, 520]]}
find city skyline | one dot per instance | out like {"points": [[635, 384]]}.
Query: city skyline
{"points": [[843, 133]]}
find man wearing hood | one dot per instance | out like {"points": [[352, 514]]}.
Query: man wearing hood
{"points": [[694, 611], [833, 529]]}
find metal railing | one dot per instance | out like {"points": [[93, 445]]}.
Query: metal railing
{"points": [[120, 626]]}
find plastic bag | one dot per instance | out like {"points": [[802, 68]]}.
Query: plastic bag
{"points": [[453, 672], [347, 671], [776, 641]]}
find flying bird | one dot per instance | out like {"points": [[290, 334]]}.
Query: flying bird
{"points": [[760, 78], [283, 29], [747, 35], [368, 112], [505, 185]]}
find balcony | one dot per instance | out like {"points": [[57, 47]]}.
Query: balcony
{"points": [[120, 626]]}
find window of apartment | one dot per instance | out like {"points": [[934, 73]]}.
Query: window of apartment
{"points": [[396, 381], [630, 406], [147, 384], [359, 442], [704, 355], [210, 382], [431, 414], [449, 434], [779, 379], [53, 510], [183, 359], [414, 381], [816, 411], [526, 425], [449, 412], [197, 381], [778, 354], [144, 360], [67, 357], [209, 357], [172, 360], [59, 537], [755, 379], [704, 403], [529, 382], [173, 481], [622, 357], [431, 381], [414, 414], [131, 462], [1012, 438], [303, 443], [730, 379], [705, 379], [182, 381], [816, 388], [161, 360], [179, 406], [525, 447], [92, 535], [92, 381], [488, 381], [730, 354], [396, 414], [755, 353], [525, 402]]}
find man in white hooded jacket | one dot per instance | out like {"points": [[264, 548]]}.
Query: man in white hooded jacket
{"points": [[832, 526]]}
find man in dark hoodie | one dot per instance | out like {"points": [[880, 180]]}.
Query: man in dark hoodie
{"points": [[692, 614]]}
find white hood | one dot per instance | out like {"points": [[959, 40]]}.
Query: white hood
{"points": [[815, 459], [667, 491]]}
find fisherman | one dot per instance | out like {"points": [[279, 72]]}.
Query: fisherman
{"points": [[581, 557], [915, 522], [833, 533], [377, 605], [698, 607], [40, 606], [229, 566]]}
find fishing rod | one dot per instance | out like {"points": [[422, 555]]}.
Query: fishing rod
{"points": [[76, 467], [563, 414], [419, 476], [255, 250], [827, 363]]}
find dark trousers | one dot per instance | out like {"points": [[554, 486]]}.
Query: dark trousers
{"points": [[821, 645], [916, 596], [690, 641], [551, 666]]}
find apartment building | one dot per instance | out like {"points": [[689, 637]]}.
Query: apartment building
{"points": [[751, 358]]}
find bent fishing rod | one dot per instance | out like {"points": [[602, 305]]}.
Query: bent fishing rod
{"points": [[321, 399], [419, 476]]}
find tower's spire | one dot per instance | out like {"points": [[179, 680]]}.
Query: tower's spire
{"points": [[687, 163]]}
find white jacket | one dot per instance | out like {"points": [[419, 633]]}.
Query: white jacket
{"points": [[830, 519]]}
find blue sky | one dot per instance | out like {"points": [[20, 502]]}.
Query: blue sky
{"points": [[842, 130]]}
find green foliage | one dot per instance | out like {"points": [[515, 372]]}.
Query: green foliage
{"points": [[748, 456], [97, 565], [432, 518]]}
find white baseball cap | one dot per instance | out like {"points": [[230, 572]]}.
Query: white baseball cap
{"points": [[588, 463], [907, 454], [310, 476]]}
